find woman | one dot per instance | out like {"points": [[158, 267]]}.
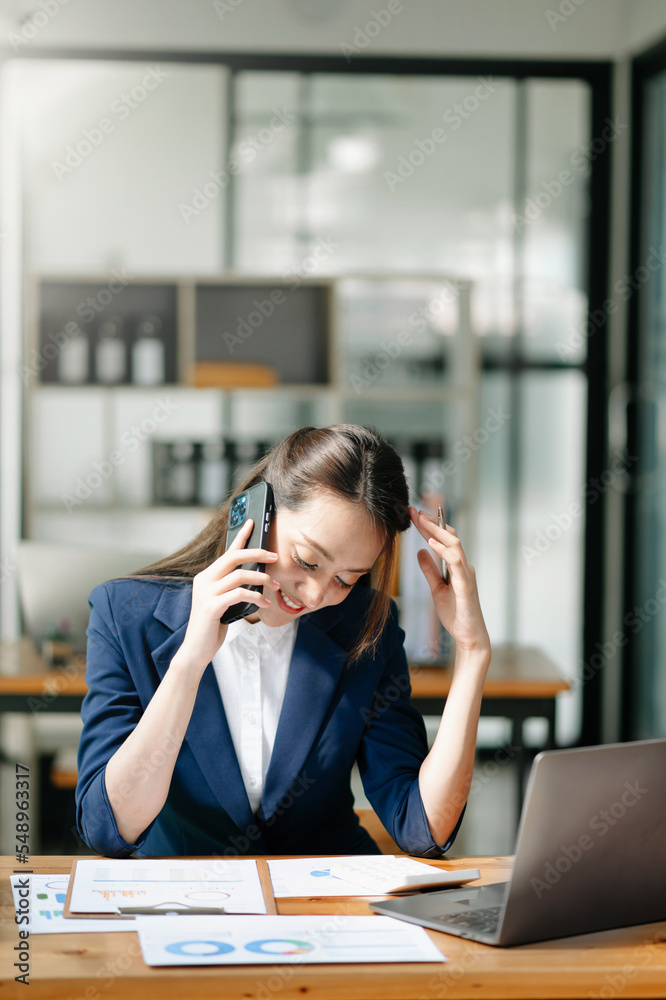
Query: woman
{"points": [[201, 738]]}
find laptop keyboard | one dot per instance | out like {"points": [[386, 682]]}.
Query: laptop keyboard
{"points": [[484, 921]]}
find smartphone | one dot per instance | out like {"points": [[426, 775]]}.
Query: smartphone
{"points": [[257, 504]]}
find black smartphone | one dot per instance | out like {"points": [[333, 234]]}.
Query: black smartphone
{"points": [[257, 504]]}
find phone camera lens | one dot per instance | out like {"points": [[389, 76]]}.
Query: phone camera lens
{"points": [[238, 511]]}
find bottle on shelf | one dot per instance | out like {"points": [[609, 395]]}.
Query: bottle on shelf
{"points": [[214, 472], [110, 355], [148, 353], [73, 358], [245, 455], [183, 472]]}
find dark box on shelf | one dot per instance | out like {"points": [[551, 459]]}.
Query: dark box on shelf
{"points": [[267, 323]]}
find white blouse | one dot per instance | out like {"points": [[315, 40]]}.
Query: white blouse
{"points": [[252, 667]]}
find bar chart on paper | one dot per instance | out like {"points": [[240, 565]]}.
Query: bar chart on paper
{"points": [[101, 886]]}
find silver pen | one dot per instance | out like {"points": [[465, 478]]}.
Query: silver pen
{"points": [[442, 523]]}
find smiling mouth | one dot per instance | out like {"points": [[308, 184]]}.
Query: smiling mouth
{"points": [[288, 604]]}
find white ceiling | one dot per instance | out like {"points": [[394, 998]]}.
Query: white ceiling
{"points": [[595, 29]]}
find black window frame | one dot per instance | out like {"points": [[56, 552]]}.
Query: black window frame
{"points": [[599, 76], [644, 67]]}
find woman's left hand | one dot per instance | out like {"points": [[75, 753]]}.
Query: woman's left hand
{"points": [[457, 603]]}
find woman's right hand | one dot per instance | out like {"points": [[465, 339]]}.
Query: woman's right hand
{"points": [[217, 588]]}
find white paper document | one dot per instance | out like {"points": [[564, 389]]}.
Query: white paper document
{"points": [[271, 940], [312, 877], [101, 885], [387, 873], [358, 875], [44, 908]]}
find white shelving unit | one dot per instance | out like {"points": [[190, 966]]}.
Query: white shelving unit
{"points": [[401, 355]]}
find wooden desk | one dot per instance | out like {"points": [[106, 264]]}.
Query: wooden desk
{"points": [[629, 962], [522, 682], [27, 686]]}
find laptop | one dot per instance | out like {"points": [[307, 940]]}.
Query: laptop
{"points": [[590, 853]]}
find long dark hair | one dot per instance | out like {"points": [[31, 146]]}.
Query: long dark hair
{"points": [[353, 462]]}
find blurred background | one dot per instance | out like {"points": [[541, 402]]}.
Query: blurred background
{"points": [[220, 221]]}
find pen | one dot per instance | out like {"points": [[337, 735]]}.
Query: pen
{"points": [[441, 522], [128, 911]]}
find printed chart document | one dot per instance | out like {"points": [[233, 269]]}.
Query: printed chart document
{"points": [[310, 877], [275, 940], [388, 873], [359, 875], [45, 904], [102, 885]]}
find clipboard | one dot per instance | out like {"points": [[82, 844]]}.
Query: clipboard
{"points": [[160, 908]]}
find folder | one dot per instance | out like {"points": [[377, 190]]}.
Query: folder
{"points": [[123, 900]]}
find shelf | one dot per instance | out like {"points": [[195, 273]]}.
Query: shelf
{"points": [[344, 324], [129, 508], [407, 394], [398, 393]]}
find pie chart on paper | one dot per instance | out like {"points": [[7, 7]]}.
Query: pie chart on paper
{"points": [[199, 948], [280, 946]]}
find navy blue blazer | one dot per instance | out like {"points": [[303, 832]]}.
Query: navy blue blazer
{"points": [[333, 714]]}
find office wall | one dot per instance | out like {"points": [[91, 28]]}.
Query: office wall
{"points": [[595, 29], [116, 206], [642, 24]]}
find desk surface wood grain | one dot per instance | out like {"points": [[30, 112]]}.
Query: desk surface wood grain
{"points": [[515, 672], [23, 671], [629, 962]]}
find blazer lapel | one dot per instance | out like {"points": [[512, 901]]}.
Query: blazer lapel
{"points": [[316, 665], [208, 733]]}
